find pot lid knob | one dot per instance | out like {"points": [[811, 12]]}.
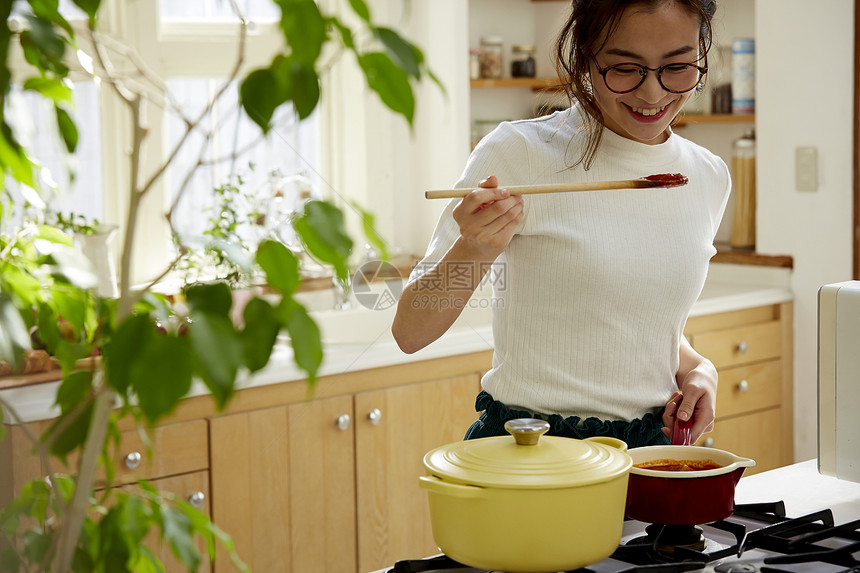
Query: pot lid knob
{"points": [[527, 431]]}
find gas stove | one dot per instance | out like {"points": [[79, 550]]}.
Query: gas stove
{"points": [[758, 537]]}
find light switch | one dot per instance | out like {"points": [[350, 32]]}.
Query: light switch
{"points": [[806, 168]]}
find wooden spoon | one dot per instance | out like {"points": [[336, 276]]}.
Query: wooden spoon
{"points": [[650, 182]]}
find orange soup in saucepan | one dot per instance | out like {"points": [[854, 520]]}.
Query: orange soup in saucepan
{"points": [[667, 465]]}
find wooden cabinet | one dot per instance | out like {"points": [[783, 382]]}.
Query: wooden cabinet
{"points": [[752, 350], [331, 485], [322, 485], [394, 429]]}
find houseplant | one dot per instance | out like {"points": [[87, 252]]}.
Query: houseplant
{"points": [[144, 369]]}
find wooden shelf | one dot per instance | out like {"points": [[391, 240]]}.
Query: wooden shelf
{"points": [[533, 83], [728, 254], [694, 119]]}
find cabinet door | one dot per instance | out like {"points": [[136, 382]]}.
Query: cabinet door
{"points": [[282, 486], [394, 429]]}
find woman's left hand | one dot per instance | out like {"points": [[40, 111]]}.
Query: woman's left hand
{"points": [[696, 399]]}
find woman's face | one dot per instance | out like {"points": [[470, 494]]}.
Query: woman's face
{"points": [[650, 37]]}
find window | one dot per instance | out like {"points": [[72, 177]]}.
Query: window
{"points": [[192, 47]]}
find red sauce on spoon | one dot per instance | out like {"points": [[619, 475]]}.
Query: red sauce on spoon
{"points": [[669, 179]]}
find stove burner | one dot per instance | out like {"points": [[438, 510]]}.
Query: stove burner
{"points": [[735, 568], [666, 538]]}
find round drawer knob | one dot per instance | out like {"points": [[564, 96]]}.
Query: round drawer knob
{"points": [[375, 416], [132, 460], [743, 386], [708, 443], [196, 499], [343, 422], [742, 347]]}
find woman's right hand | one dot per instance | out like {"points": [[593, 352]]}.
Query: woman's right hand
{"points": [[488, 217]]}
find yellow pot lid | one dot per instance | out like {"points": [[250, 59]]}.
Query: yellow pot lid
{"points": [[528, 461]]}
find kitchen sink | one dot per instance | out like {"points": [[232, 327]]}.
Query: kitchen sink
{"points": [[363, 325]]}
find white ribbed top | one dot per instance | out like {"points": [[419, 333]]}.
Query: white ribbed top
{"points": [[592, 293]]}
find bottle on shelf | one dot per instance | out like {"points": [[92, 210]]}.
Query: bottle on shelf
{"points": [[523, 61]]}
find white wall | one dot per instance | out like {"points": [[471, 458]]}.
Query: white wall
{"points": [[804, 91]]}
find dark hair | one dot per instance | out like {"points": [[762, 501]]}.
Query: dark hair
{"points": [[578, 39]]}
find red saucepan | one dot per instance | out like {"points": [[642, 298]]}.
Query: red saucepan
{"points": [[683, 497]]}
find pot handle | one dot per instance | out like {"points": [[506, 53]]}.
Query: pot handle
{"points": [[609, 441], [436, 485]]}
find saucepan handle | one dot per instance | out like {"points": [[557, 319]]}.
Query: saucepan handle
{"points": [[436, 485]]}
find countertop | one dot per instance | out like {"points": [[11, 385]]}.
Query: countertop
{"points": [[803, 490], [360, 339]]}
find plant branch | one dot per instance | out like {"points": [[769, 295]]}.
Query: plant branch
{"points": [[240, 58], [74, 519], [135, 196]]}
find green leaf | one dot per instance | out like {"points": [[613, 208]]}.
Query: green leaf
{"points": [[305, 90], [260, 94], [55, 89], [163, 375], [49, 11], [43, 47], [136, 518], [177, 530], [304, 337], [369, 227], [360, 8], [114, 548], [304, 29], [20, 166], [74, 389], [260, 333], [68, 130], [404, 53], [36, 544], [120, 353], [218, 349], [53, 235], [280, 265], [74, 434], [14, 335], [216, 298], [90, 7], [71, 304], [390, 82], [322, 231]]}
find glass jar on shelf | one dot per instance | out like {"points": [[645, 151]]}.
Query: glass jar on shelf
{"points": [[474, 64], [491, 57], [523, 61], [744, 191]]}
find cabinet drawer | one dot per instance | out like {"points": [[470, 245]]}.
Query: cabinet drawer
{"points": [[741, 345], [757, 436], [744, 389], [175, 449]]}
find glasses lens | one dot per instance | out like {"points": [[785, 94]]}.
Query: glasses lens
{"points": [[680, 77], [624, 77]]}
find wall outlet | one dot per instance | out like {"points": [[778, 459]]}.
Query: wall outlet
{"points": [[806, 168]]}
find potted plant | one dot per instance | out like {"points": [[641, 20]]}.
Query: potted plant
{"points": [[144, 369]]}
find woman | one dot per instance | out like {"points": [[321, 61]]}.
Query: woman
{"points": [[597, 286]]}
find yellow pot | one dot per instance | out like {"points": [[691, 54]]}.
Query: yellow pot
{"points": [[526, 504]]}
